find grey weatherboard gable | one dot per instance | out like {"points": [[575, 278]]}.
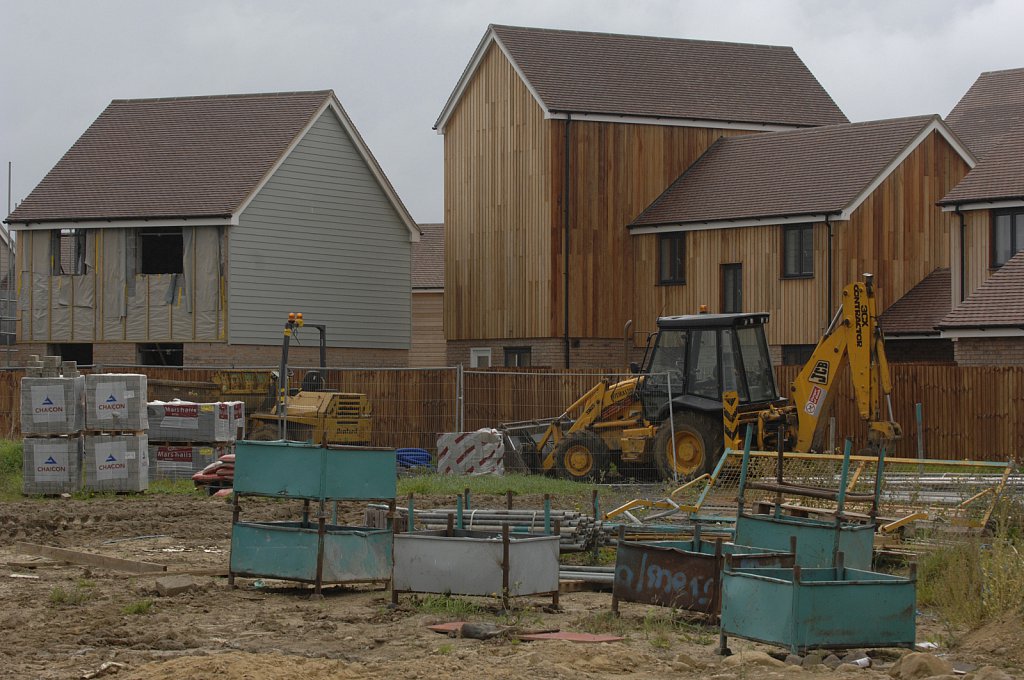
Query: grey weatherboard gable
{"points": [[322, 238]]}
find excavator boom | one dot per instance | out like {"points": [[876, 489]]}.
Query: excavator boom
{"points": [[853, 337]]}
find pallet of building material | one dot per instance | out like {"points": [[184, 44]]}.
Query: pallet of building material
{"points": [[53, 405], [181, 461], [115, 402], [237, 414], [116, 462], [186, 421], [51, 465]]}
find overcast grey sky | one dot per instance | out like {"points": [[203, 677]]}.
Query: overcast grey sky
{"points": [[394, 63]]}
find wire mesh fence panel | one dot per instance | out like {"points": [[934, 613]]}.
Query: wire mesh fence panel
{"points": [[923, 493]]}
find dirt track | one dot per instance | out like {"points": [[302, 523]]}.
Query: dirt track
{"points": [[276, 631]]}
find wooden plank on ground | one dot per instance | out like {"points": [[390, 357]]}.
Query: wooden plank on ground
{"points": [[91, 559]]}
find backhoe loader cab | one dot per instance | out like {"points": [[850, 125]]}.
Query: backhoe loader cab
{"points": [[705, 378], [700, 356]]}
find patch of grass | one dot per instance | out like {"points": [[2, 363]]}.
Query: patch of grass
{"points": [[605, 557], [445, 649], [73, 597], [445, 605], [659, 624], [519, 485], [519, 618], [660, 641], [10, 469], [139, 607], [174, 487], [601, 622], [975, 581]]}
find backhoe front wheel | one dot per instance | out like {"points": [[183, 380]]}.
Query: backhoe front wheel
{"points": [[582, 456], [699, 443]]}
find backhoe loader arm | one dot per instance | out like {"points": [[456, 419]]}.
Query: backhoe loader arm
{"points": [[854, 337]]}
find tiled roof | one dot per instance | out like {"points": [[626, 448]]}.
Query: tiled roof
{"points": [[168, 158], [922, 308], [999, 302], [999, 175], [428, 257], [630, 75], [993, 106], [778, 174]]}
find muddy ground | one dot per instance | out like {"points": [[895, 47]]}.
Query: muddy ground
{"points": [[67, 620]]}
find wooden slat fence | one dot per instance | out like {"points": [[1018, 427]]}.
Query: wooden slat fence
{"points": [[968, 412]]}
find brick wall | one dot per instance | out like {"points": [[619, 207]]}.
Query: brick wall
{"points": [[989, 351], [935, 351]]}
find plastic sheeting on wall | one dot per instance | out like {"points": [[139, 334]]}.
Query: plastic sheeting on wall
{"points": [[111, 301], [112, 272], [208, 274], [40, 307], [61, 290], [83, 311], [136, 318]]}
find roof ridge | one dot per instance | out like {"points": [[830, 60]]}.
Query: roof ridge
{"points": [[818, 129], [1002, 70], [242, 95], [641, 37]]}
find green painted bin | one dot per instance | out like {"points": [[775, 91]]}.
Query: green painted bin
{"points": [[817, 541], [288, 550], [802, 609], [299, 470]]}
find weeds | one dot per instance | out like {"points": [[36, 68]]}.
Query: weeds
{"points": [[977, 580], [602, 622], [445, 650], [659, 623], [73, 597], [519, 485], [10, 470], [139, 607], [445, 605], [175, 487]]}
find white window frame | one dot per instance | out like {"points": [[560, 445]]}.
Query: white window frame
{"points": [[476, 354]]}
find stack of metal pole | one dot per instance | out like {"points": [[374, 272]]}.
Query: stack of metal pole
{"points": [[576, 530]]}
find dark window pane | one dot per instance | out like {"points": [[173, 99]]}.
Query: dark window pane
{"points": [[1002, 241], [732, 288], [1018, 233], [671, 256], [731, 379], [703, 365], [807, 252], [798, 250], [161, 251], [756, 364]]}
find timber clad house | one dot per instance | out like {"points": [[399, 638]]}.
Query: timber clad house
{"points": [[986, 322], [428, 348], [183, 231], [781, 222], [595, 182]]}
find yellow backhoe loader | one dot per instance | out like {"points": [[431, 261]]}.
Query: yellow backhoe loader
{"points": [[703, 378]]}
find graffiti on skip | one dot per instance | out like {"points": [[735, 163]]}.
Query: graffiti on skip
{"points": [[665, 583]]}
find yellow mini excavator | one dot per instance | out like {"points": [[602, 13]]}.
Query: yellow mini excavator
{"points": [[701, 372]]}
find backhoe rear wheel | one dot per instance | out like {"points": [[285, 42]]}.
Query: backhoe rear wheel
{"points": [[582, 456], [699, 443]]}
